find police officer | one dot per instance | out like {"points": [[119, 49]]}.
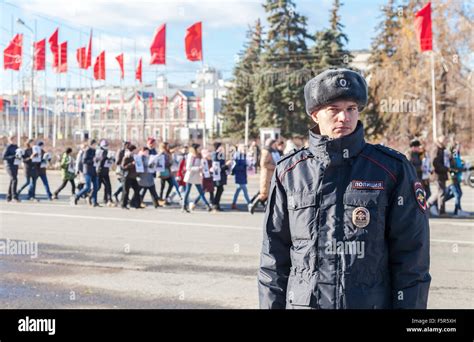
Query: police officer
{"points": [[346, 224]]}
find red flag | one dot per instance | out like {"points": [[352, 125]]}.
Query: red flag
{"points": [[193, 42], [138, 73], [12, 53], [99, 67], [53, 44], [1, 104], [89, 53], [423, 28], [62, 62], [158, 46], [40, 55], [119, 59], [81, 57]]}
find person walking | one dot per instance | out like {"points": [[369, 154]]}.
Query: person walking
{"points": [[219, 168], [239, 170], [130, 174], [119, 171], [207, 181], [441, 168], [103, 170], [67, 173], [31, 159], [89, 165], [270, 156], [146, 179], [42, 167], [193, 177], [12, 159]]}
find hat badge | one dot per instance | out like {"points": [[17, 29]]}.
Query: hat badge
{"points": [[343, 82]]}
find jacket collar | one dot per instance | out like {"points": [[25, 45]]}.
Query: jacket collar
{"points": [[321, 146]]}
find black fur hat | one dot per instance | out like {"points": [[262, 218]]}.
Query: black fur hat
{"points": [[332, 85]]}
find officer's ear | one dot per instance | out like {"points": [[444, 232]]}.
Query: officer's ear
{"points": [[314, 116]]}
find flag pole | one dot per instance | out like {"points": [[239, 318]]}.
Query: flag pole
{"points": [[19, 123], [36, 100], [122, 131], [433, 97], [12, 91], [202, 104]]}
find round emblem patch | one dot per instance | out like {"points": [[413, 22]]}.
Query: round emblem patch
{"points": [[343, 82], [361, 217]]}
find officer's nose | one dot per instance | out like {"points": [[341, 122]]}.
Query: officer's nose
{"points": [[343, 116]]}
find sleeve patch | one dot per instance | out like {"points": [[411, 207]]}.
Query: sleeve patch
{"points": [[420, 195]]}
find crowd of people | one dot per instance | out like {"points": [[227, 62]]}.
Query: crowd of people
{"points": [[179, 169], [446, 167], [176, 169]]}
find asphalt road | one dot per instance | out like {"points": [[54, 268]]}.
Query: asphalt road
{"points": [[162, 258]]}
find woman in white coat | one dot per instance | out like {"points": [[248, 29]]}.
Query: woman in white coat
{"points": [[193, 176]]}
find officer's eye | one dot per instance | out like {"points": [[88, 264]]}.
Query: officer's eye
{"points": [[351, 109]]}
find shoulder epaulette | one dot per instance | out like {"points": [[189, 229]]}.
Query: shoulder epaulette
{"points": [[391, 152], [290, 154]]}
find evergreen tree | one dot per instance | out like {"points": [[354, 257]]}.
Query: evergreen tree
{"points": [[279, 97], [242, 92], [383, 45], [329, 50]]}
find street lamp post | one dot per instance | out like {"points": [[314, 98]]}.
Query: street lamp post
{"points": [[30, 109]]}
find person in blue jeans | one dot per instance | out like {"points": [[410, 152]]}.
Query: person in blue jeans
{"points": [[456, 169], [45, 159], [31, 170], [193, 177], [454, 189], [239, 170], [90, 175]]}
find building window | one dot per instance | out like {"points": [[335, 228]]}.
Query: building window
{"points": [[176, 112], [96, 114], [192, 113], [134, 134], [110, 114]]}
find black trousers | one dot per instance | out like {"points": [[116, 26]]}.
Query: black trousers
{"points": [[12, 186], [218, 195], [105, 179], [153, 193], [63, 185], [163, 184], [120, 188], [131, 183]]}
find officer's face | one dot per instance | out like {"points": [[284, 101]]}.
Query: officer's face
{"points": [[337, 119]]}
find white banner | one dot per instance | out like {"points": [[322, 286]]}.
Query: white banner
{"points": [[216, 169], [139, 163], [37, 154], [205, 168]]}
